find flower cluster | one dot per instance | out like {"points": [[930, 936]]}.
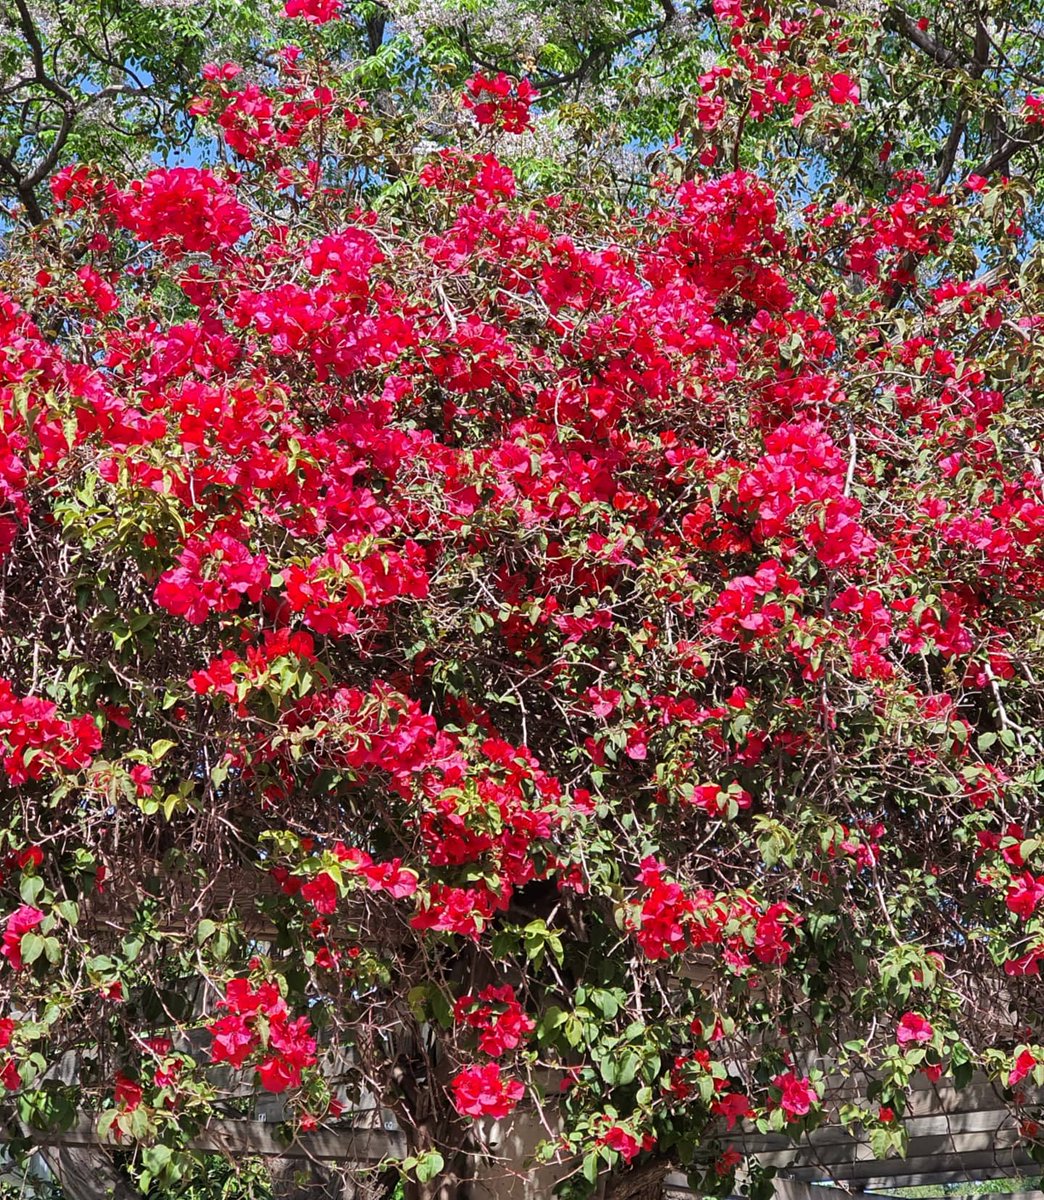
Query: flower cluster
{"points": [[212, 575], [23, 920], [483, 1092], [182, 210], [36, 742], [498, 1016], [259, 1020], [9, 1075], [317, 12], [670, 920], [500, 101], [797, 1095], [625, 1143]]}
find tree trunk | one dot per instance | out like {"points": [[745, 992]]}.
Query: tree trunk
{"points": [[87, 1173], [294, 1179], [297, 1179], [640, 1183], [452, 1181]]}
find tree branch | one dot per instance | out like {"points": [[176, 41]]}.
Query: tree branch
{"points": [[36, 51], [26, 184], [949, 152], [1015, 145], [908, 26]]}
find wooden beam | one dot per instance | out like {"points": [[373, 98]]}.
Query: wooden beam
{"points": [[951, 1141], [910, 1172], [943, 1124], [236, 1138], [794, 1189], [973, 1189], [330, 1145], [937, 1145], [938, 1178], [677, 1188]]}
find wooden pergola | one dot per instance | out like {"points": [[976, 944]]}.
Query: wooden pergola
{"points": [[955, 1138]]}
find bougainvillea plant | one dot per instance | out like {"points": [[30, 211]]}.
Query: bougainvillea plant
{"points": [[511, 661]]}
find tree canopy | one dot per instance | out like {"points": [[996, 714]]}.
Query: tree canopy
{"points": [[524, 636]]}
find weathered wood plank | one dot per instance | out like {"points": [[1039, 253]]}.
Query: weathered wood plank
{"points": [[909, 1172], [87, 1173], [938, 1178], [945, 1147], [935, 1145], [959, 1124], [236, 1138], [345, 1146], [794, 1189]]}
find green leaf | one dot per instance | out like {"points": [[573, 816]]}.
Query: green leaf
{"points": [[628, 1068], [429, 1165], [32, 947], [607, 1002], [417, 999], [156, 1158], [30, 888], [552, 1019]]}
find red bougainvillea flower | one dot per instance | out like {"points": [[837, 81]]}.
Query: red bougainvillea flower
{"points": [[294, 1041], [1025, 1063], [232, 1040], [1025, 892], [291, 1047], [318, 12], [797, 1095], [182, 209], [913, 1029], [321, 892], [74, 187], [499, 1017], [127, 1093], [625, 1143], [500, 101], [23, 920], [727, 1162], [1026, 964], [482, 1092], [37, 742], [843, 89], [276, 1074], [733, 1106], [30, 858]]}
